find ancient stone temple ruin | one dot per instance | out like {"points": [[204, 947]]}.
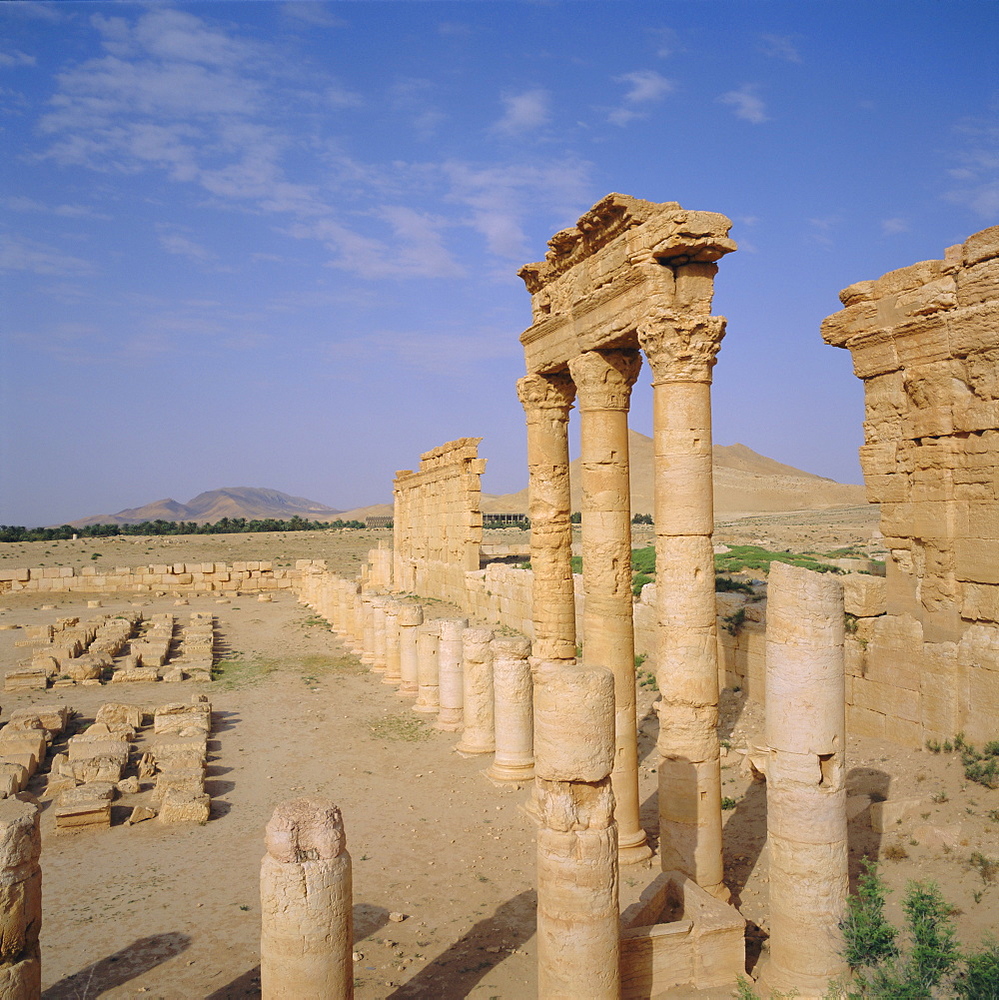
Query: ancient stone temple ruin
{"points": [[633, 277], [437, 530], [925, 341]]}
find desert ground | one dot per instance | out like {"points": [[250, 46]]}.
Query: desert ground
{"points": [[173, 912]]}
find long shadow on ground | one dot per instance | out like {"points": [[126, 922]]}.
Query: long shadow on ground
{"points": [[455, 972], [139, 957]]}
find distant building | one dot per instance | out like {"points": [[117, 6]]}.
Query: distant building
{"points": [[494, 520], [379, 522]]}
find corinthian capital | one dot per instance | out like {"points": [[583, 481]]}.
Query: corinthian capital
{"points": [[604, 378], [680, 347], [546, 392]]}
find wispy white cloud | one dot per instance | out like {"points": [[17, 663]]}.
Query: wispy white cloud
{"points": [[31, 9], [667, 41], [823, 229], [976, 178], [647, 86], [22, 204], [747, 104], [893, 226], [311, 12], [780, 47], [500, 198], [16, 58], [452, 355], [414, 97], [23, 254], [523, 112]]}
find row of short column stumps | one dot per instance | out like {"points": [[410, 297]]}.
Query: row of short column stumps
{"points": [[470, 679]]}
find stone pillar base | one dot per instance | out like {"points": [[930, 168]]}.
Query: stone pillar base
{"points": [[504, 775]]}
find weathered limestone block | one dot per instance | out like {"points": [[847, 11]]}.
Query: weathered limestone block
{"points": [[864, 596], [679, 935], [306, 902], [189, 779], [117, 716], [478, 735], [181, 806], [20, 900], [393, 641], [26, 679], [51, 718]]}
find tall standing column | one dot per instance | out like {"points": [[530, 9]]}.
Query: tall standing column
{"points": [[806, 789], [366, 628], [450, 684], [379, 620], [681, 349], [306, 904], [603, 384], [478, 735], [409, 619], [547, 400], [21, 914], [578, 932]]}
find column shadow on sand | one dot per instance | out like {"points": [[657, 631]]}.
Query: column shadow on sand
{"points": [[139, 957], [456, 971]]}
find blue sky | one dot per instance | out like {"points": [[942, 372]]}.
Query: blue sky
{"points": [[275, 244]]}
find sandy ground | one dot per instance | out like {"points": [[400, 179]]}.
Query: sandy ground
{"points": [[173, 912]]}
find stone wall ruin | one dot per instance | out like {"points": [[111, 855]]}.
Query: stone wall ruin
{"points": [[437, 530], [925, 342]]}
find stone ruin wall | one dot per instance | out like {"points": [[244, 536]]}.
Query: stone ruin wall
{"points": [[254, 575], [925, 341], [438, 521]]}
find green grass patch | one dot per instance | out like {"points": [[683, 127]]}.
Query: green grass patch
{"points": [[743, 557], [399, 727]]}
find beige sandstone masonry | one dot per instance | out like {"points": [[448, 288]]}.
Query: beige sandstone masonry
{"points": [[578, 948], [806, 787], [409, 619], [20, 900], [925, 341], [438, 520], [633, 275], [428, 696], [306, 902]]}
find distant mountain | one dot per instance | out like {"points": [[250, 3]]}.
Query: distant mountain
{"points": [[233, 501], [744, 483]]}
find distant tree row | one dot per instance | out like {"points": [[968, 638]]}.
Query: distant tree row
{"points": [[225, 526]]}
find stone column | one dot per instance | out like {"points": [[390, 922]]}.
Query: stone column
{"points": [[577, 836], [393, 661], [513, 699], [21, 893], [547, 400], [806, 788], [479, 734], [603, 384], [307, 934], [450, 685], [681, 349], [428, 697], [379, 622], [409, 619]]}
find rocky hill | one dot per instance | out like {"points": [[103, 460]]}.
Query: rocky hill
{"points": [[253, 503], [745, 483]]}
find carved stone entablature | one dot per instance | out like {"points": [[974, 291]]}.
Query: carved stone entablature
{"points": [[599, 276]]}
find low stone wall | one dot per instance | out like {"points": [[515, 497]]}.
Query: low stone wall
{"points": [[254, 575]]}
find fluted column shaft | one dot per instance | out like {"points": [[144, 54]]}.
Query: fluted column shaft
{"points": [[681, 349], [603, 384], [547, 400]]}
